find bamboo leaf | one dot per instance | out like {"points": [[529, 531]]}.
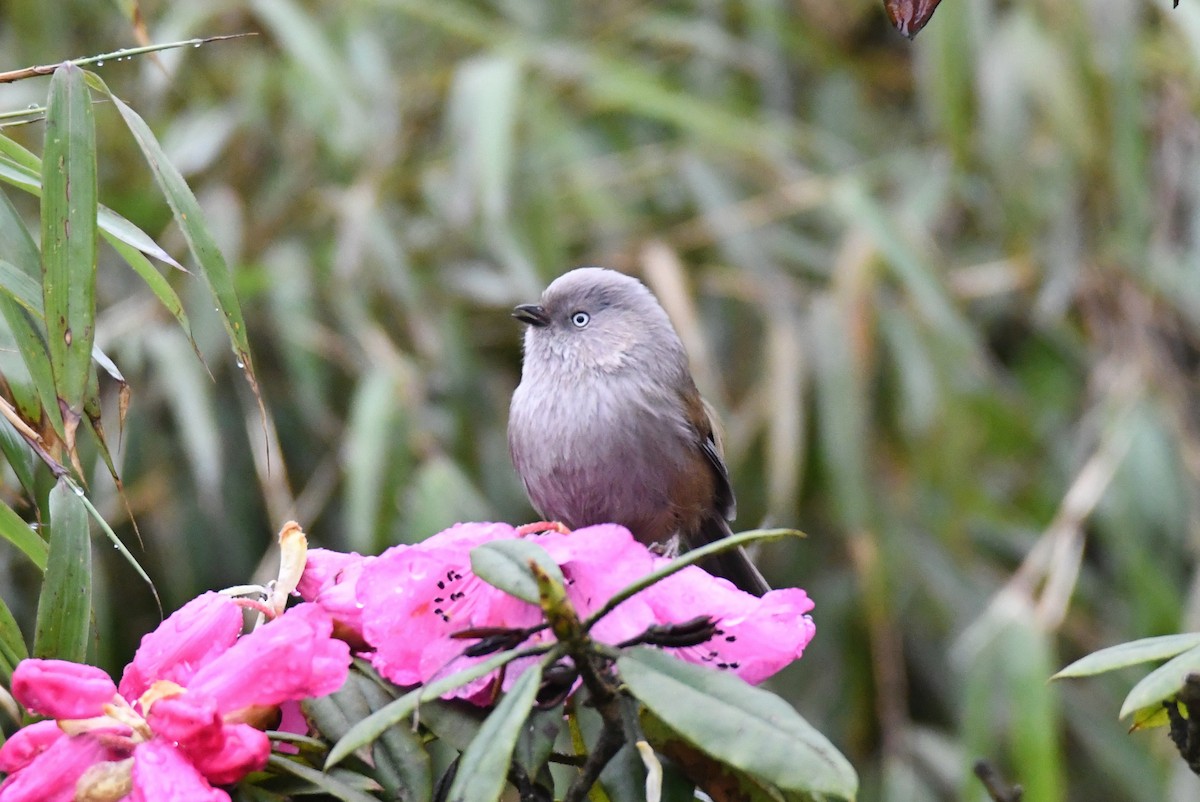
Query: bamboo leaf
{"points": [[190, 219], [18, 532], [69, 240], [65, 606]]}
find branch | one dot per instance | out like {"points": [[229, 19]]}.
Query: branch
{"points": [[117, 55], [997, 789]]}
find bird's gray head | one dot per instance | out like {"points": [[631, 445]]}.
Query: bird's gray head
{"points": [[597, 320]]}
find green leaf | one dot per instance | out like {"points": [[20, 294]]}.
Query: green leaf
{"points": [[20, 258], [69, 240], [18, 532], [1163, 682], [483, 768], [711, 775], [749, 728], [65, 605], [12, 644], [25, 172], [325, 781], [1150, 717], [398, 759], [538, 735], [18, 454], [452, 720], [504, 564], [191, 222], [1128, 654], [374, 725], [158, 284]]}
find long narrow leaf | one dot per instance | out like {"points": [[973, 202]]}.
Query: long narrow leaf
{"points": [[484, 766], [19, 256], [65, 606], [370, 728], [69, 240], [12, 644], [17, 532], [190, 219]]}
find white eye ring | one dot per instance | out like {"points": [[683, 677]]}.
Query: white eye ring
{"points": [[580, 319]]}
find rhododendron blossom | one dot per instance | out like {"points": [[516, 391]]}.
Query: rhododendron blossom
{"points": [[411, 600], [181, 720]]}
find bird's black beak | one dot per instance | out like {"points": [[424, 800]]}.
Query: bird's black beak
{"points": [[532, 314]]}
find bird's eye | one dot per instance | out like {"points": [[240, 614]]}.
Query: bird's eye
{"points": [[580, 319]]}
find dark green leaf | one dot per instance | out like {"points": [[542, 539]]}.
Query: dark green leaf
{"points": [[370, 728], [69, 240], [504, 564], [340, 787], [20, 534], [538, 735], [12, 644], [749, 728], [718, 779], [18, 454], [483, 769], [453, 721], [65, 606], [20, 266]]}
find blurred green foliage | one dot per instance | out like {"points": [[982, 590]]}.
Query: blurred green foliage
{"points": [[946, 295]]}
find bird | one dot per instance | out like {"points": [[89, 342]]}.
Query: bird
{"points": [[607, 426]]}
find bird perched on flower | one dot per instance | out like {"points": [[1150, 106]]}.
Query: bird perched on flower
{"points": [[607, 425]]}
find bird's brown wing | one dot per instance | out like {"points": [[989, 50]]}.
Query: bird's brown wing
{"points": [[734, 565], [708, 427]]}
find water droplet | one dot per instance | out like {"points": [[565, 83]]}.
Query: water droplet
{"points": [[78, 491], [241, 365], [197, 44], [100, 63], [33, 106]]}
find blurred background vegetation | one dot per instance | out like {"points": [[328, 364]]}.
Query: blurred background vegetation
{"points": [[946, 295]]}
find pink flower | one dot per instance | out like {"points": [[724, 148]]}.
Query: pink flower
{"points": [[412, 599], [179, 723]]}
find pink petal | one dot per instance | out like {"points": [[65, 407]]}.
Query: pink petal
{"points": [[243, 750], [190, 721], [291, 719], [755, 637], [161, 773], [414, 598], [52, 775], [330, 580], [597, 562], [189, 639], [26, 744], [293, 657], [61, 689], [323, 569]]}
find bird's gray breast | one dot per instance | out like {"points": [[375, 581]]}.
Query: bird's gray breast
{"points": [[601, 450]]}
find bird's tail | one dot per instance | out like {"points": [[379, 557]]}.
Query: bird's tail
{"points": [[734, 565]]}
